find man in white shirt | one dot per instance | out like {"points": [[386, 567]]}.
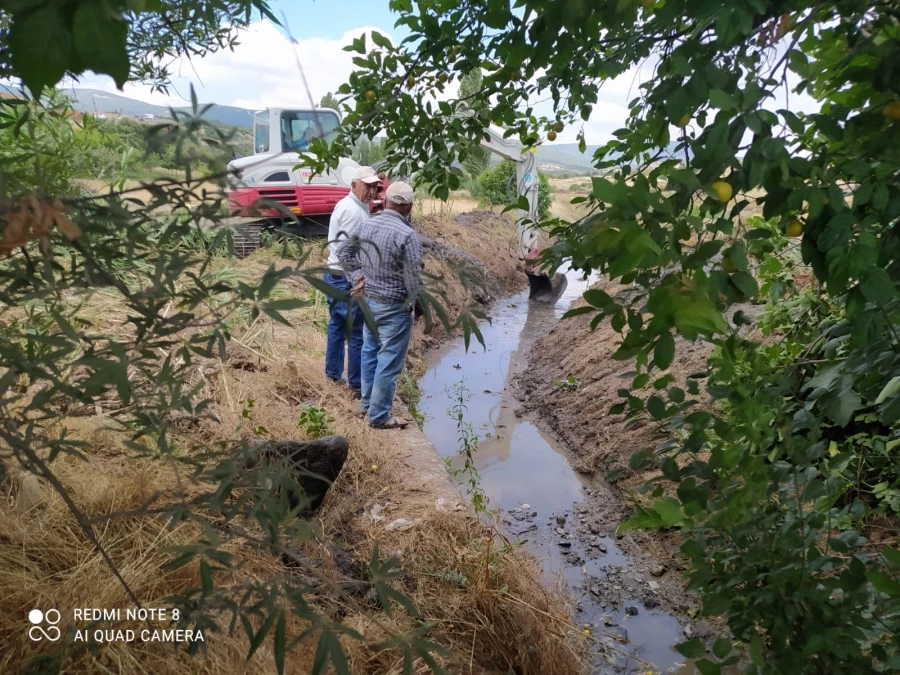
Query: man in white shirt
{"points": [[348, 214]]}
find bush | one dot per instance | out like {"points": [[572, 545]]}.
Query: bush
{"points": [[497, 187]]}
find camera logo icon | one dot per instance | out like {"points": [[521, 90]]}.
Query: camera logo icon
{"points": [[37, 632]]}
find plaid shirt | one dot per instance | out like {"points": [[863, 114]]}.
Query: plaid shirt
{"points": [[386, 250]]}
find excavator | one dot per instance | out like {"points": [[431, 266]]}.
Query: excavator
{"points": [[269, 188]]}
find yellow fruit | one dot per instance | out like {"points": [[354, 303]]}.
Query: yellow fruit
{"points": [[794, 228], [728, 265], [442, 78], [410, 83], [374, 467], [648, 4], [558, 127], [892, 110], [370, 95], [435, 124], [515, 76], [551, 135], [684, 121], [722, 190]]}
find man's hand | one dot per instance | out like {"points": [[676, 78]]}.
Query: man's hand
{"points": [[358, 289]]}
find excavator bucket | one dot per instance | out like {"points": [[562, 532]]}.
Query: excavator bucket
{"points": [[545, 289]]}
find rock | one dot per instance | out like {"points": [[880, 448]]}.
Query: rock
{"points": [[560, 531], [688, 630], [31, 494], [315, 465], [525, 507], [658, 570], [631, 610], [601, 546], [650, 602], [534, 514], [654, 585], [594, 528], [564, 544], [561, 519]]}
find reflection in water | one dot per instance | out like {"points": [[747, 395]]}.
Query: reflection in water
{"points": [[518, 463]]}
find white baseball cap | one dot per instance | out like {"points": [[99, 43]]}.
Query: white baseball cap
{"points": [[365, 174], [399, 193]]}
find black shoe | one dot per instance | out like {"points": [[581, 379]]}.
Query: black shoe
{"points": [[338, 380]]}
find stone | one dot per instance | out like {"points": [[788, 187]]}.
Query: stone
{"points": [[601, 546], [654, 585], [560, 531], [594, 528], [650, 602], [31, 494], [631, 610], [315, 465], [658, 570], [564, 544], [561, 519]]}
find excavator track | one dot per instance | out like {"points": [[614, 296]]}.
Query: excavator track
{"points": [[247, 237]]}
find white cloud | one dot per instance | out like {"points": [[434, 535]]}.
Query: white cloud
{"points": [[260, 72]]}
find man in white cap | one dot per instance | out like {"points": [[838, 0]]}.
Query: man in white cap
{"points": [[384, 259], [349, 213]]}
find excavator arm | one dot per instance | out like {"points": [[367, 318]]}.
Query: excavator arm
{"points": [[543, 287]]}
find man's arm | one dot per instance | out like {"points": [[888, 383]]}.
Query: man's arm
{"points": [[412, 266], [348, 254]]}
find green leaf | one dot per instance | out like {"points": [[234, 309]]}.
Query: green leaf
{"points": [[206, 579], [642, 519], [380, 40], [40, 47], [884, 583], [101, 41], [604, 190], [640, 459], [721, 648], [692, 649], [745, 283], [892, 555], [669, 510], [280, 643], [757, 652], [664, 351], [890, 389], [598, 298], [721, 99], [707, 667], [257, 639], [656, 407]]}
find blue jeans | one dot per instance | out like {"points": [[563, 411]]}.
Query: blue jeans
{"points": [[382, 363], [337, 335]]}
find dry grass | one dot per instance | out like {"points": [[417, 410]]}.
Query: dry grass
{"points": [[499, 618]]}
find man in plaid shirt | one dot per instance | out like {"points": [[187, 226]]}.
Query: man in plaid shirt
{"points": [[384, 259]]}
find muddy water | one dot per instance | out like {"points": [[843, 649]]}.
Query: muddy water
{"points": [[529, 480]]}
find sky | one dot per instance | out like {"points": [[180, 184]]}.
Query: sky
{"points": [[262, 70]]}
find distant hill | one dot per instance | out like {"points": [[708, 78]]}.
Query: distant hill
{"points": [[93, 100], [551, 159]]}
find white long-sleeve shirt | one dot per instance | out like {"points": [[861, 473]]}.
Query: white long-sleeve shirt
{"points": [[348, 215]]}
